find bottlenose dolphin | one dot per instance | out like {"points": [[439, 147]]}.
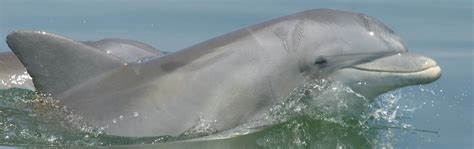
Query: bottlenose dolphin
{"points": [[229, 80], [14, 75]]}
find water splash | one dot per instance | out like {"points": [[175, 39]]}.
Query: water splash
{"points": [[202, 127], [16, 80], [319, 99], [29, 118], [319, 114]]}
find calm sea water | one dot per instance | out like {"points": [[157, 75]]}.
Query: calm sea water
{"points": [[439, 115]]}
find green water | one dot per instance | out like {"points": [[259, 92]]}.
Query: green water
{"points": [[320, 114]]}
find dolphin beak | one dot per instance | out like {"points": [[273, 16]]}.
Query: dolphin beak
{"points": [[420, 69], [388, 73]]}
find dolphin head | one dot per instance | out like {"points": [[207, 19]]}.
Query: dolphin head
{"points": [[332, 40], [359, 51]]}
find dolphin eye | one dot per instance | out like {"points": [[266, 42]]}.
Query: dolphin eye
{"points": [[320, 61]]}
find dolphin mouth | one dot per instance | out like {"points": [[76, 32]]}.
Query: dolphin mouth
{"points": [[397, 71], [429, 74], [405, 65], [399, 63], [388, 73]]}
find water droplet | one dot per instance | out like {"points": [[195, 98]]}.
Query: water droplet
{"points": [[52, 139]]}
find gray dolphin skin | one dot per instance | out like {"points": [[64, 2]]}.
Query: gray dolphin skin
{"points": [[125, 49], [14, 75], [231, 79]]}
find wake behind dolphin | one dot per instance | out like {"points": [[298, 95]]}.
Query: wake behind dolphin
{"points": [[231, 79]]}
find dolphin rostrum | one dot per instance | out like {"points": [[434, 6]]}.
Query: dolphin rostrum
{"points": [[14, 75], [230, 79]]}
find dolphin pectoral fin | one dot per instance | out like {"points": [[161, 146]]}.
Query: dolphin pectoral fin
{"points": [[56, 63]]}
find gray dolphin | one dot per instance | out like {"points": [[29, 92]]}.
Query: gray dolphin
{"points": [[228, 80], [14, 75]]}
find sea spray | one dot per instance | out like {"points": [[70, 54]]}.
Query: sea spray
{"points": [[319, 114]]}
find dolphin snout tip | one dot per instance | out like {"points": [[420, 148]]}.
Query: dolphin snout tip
{"points": [[425, 68], [430, 75], [435, 72], [428, 62]]}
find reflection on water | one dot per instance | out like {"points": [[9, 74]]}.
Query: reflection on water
{"points": [[320, 114]]}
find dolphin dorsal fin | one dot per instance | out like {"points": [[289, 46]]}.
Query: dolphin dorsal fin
{"points": [[57, 64]]}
